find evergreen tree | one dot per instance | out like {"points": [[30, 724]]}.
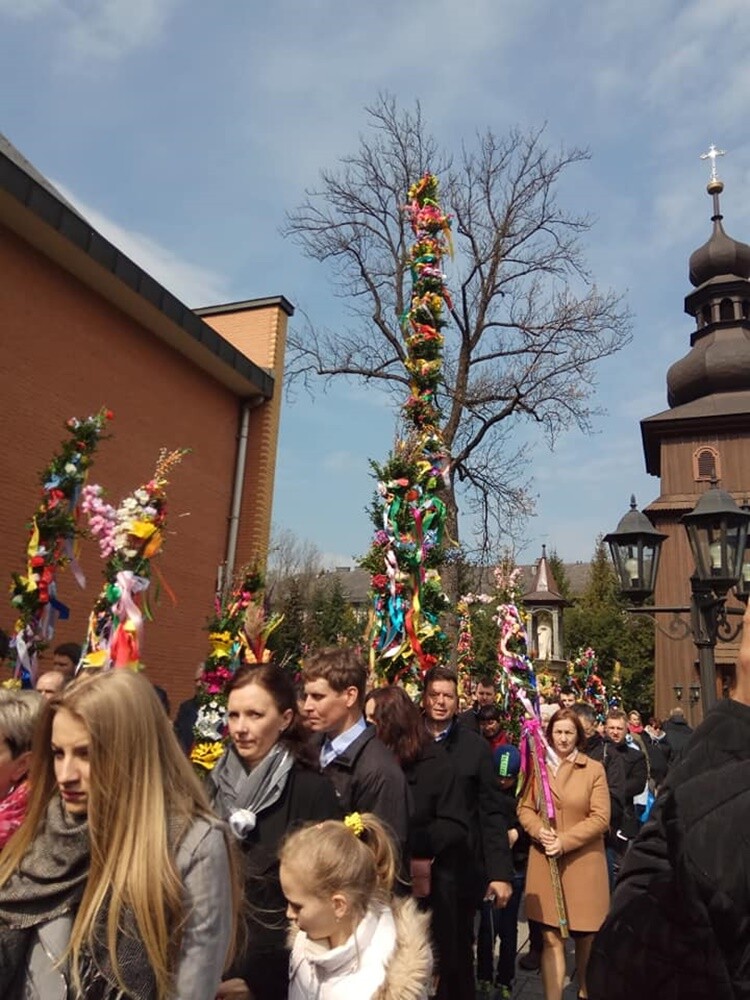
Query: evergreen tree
{"points": [[599, 619], [332, 619], [288, 641], [560, 574]]}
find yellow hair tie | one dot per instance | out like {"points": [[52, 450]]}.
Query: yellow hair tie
{"points": [[354, 823]]}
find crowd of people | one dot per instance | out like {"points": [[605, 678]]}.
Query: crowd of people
{"points": [[348, 843]]}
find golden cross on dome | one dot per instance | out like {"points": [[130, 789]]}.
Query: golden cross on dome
{"points": [[712, 155]]}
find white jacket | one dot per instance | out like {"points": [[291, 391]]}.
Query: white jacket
{"points": [[387, 956]]}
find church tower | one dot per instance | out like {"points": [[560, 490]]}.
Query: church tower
{"points": [[702, 437]]}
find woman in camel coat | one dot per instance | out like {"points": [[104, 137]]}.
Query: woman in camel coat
{"points": [[581, 801]]}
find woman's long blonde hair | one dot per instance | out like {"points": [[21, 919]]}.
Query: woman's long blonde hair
{"points": [[141, 788]]}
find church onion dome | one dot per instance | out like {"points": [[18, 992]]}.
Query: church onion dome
{"points": [[719, 360], [717, 363], [720, 255]]}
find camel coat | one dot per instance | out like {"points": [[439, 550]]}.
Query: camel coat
{"points": [[581, 800]]}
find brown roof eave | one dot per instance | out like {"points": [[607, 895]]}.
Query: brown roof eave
{"points": [[719, 412]]}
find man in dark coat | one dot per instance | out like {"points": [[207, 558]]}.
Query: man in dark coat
{"points": [[484, 694], [679, 926], [187, 713], [635, 767], [678, 733], [366, 775], [488, 867], [602, 749]]}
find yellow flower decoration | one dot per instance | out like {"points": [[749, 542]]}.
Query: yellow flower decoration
{"points": [[207, 754], [354, 823]]}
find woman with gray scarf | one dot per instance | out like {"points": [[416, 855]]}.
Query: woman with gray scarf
{"points": [[120, 881], [266, 783]]}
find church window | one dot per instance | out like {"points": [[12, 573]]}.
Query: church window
{"points": [[726, 309], [706, 314], [706, 464]]}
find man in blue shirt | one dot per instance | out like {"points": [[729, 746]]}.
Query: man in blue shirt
{"points": [[366, 775]]}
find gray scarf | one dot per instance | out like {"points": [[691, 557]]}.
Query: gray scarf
{"points": [[239, 796], [50, 882]]}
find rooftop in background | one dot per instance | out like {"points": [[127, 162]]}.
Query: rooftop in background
{"points": [[356, 582]]}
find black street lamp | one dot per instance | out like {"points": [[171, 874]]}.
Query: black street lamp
{"points": [[635, 547], [742, 590], [717, 531]]}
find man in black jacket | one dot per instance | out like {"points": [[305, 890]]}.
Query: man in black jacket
{"points": [[484, 694], [680, 919], [489, 866], [678, 733], [636, 774], [602, 749], [366, 775]]}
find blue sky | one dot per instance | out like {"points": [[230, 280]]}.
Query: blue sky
{"points": [[184, 130]]}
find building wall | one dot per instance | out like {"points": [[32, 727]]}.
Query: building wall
{"points": [[676, 659], [260, 334], [66, 352]]}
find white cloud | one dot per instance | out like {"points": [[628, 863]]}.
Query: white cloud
{"points": [[331, 60], [193, 284], [340, 461], [97, 29]]}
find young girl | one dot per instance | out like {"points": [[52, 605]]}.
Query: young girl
{"points": [[351, 938]]}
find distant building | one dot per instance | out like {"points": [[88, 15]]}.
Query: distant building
{"points": [[83, 326], [355, 583]]}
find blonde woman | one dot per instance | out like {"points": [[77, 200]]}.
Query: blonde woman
{"points": [[120, 882]]}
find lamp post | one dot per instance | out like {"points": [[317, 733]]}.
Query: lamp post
{"points": [[717, 531], [694, 698]]}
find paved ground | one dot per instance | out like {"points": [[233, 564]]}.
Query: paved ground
{"points": [[528, 985]]}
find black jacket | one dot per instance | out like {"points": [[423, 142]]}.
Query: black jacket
{"points": [[368, 778], [470, 719], [488, 815], [187, 713], [438, 829], [520, 850], [307, 797], [678, 734], [636, 773], [680, 920], [659, 755], [602, 749], [437, 818]]}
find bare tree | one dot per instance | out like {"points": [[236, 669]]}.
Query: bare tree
{"points": [[528, 324], [292, 558]]}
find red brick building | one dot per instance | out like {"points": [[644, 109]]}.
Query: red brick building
{"points": [[83, 326]]}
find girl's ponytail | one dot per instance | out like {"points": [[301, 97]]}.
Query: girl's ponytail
{"points": [[380, 843], [357, 857]]}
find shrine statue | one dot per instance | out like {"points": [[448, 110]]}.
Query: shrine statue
{"points": [[544, 640]]}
